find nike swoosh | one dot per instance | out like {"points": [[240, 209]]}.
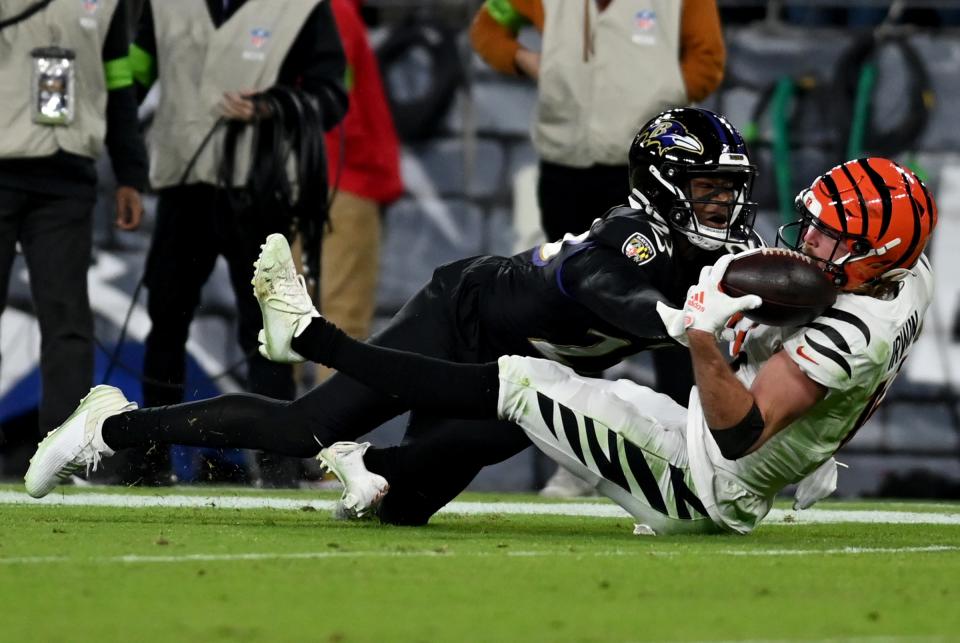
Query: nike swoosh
{"points": [[805, 356]]}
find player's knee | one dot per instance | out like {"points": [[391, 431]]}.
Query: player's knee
{"points": [[405, 509]]}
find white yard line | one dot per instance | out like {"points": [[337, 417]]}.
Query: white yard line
{"points": [[600, 510], [587, 509], [451, 553]]}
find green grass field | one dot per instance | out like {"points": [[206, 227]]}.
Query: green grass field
{"points": [[96, 572]]}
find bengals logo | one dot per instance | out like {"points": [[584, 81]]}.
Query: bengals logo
{"points": [[670, 135]]}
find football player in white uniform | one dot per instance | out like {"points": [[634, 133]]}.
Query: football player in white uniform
{"points": [[804, 392], [772, 417]]}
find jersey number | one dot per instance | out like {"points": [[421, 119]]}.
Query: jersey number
{"points": [[875, 400]]}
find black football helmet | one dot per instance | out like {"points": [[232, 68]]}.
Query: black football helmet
{"points": [[675, 148]]}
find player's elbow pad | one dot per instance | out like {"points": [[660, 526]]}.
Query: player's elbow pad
{"points": [[735, 441]]}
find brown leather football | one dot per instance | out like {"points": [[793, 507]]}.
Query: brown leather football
{"points": [[794, 289]]}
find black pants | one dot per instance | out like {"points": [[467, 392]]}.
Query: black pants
{"points": [[438, 456], [570, 198], [56, 236], [195, 225]]}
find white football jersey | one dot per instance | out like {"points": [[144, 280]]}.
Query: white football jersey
{"points": [[855, 350]]}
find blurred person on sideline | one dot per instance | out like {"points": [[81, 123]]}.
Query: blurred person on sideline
{"points": [[66, 90], [211, 59], [604, 68]]}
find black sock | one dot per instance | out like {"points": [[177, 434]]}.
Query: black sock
{"points": [[419, 382], [237, 420]]}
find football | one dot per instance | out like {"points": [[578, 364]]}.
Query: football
{"points": [[793, 288]]}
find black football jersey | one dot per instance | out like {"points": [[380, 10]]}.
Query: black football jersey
{"points": [[587, 301]]}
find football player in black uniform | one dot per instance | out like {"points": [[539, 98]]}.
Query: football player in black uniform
{"points": [[586, 301]]}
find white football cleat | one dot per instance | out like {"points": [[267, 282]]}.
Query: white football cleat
{"points": [[77, 443], [363, 491], [284, 301]]}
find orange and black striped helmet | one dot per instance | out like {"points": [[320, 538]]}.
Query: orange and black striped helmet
{"points": [[879, 212]]}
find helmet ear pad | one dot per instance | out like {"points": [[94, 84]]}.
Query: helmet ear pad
{"points": [[680, 217], [860, 247], [647, 180]]}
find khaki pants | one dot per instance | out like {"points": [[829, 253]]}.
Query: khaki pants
{"points": [[349, 265]]}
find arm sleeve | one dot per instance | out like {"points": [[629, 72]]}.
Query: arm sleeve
{"points": [[143, 54], [316, 63], [128, 155], [493, 33], [617, 290], [702, 52], [118, 40], [124, 142]]}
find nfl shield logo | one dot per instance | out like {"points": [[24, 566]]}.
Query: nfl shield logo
{"points": [[644, 21], [259, 37], [644, 28], [90, 6]]}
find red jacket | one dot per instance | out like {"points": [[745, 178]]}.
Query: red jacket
{"points": [[371, 164]]}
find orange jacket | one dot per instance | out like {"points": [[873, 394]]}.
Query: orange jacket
{"points": [[702, 52]]}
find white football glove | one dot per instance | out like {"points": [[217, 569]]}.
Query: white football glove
{"points": [[708, 308], [673, 321]]}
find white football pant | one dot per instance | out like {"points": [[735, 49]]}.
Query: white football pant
{"points": [[627, 440]]}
